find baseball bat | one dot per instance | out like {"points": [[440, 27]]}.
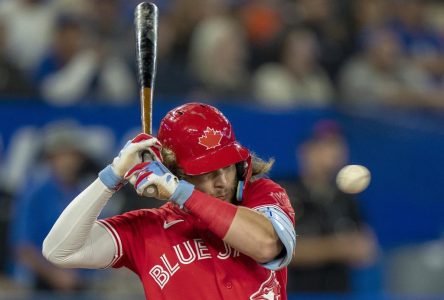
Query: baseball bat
{"points": [[145, 21]]}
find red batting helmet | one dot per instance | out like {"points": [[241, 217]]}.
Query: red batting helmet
{"points": [[202, 139]]}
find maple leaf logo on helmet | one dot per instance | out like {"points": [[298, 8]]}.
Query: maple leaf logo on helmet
{"points": [[211, 138]]}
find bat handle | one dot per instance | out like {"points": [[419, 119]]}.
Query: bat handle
{"points": [[146, 156], [146, 103]]}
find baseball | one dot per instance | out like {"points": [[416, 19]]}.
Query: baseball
{"points": [[353, 179]]}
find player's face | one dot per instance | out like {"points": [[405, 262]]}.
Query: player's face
{"points": [[220, 183]]}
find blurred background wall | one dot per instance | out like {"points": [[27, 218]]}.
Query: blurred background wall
{"points": [[276, 68]]}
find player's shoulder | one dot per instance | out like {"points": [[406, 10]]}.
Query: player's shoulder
{"points": [[262, 186], [264, 190]]}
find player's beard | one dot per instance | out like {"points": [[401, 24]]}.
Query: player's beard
{"points": [[228, 194]]}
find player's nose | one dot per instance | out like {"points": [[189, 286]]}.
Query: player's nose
{"points": [[220, 178]]}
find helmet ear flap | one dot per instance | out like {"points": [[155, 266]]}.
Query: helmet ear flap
{"points": [[241, 170], [244, 171]]}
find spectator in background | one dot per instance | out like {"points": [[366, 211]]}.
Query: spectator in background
{"points": [[7, 285], [298, 79], [5, 201], [419, 40], [263, 22], [370, 14], [41, 200], [218, 59], [177, 25], [329, 21], [332, 235], [382, 76], [111, 29], [13, 83], [173, 77], [77, 69], [185, 15], [29, 26]]}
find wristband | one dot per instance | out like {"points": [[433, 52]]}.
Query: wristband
{"points": [[110, 179], [215, 213], [182, 193]]}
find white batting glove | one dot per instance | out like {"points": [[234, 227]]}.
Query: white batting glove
{"points": [[153, 179], [130, 155]]}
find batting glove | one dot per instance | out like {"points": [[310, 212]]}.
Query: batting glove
{"points": [[130, 155], [153, 179]]}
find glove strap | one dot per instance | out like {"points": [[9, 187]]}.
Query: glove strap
{"points": [[110, 179], [182, 193]]}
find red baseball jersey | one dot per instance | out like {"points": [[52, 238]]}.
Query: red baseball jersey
{"points": [[176, 257]]}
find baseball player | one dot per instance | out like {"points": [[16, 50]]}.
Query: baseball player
{"points": [[223, 233]]}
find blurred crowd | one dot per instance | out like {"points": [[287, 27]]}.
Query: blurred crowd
{"points": [[279, 53]]}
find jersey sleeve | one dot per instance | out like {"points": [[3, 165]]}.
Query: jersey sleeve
{"points": [[126, 232], [267, 193], [271, 199]]}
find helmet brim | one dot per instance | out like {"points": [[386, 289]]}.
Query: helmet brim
{"points": [[215, 160]]}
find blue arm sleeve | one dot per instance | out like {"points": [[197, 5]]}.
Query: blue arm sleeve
{"points": [[110, 179], [285, 230]]}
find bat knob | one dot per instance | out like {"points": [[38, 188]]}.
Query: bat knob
{"points": [[151, 190]]}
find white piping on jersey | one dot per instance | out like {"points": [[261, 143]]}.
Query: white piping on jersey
{"points": [[116, 239]]}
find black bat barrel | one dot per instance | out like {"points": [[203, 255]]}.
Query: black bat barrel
{"points": [[146, 16]]}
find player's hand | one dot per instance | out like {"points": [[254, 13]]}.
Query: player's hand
{"points": [[130, 155], [153, 179]]}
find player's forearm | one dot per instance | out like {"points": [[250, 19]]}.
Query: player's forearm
{"points": [[73, 228], [244, 229], [252, 234]]}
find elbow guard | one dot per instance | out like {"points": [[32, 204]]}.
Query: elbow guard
{"points": [[285, 230]]}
